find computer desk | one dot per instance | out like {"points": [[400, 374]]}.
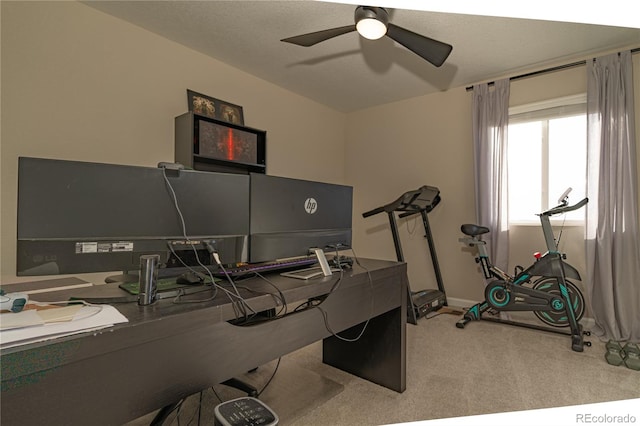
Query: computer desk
{"points": [[169, 351]]}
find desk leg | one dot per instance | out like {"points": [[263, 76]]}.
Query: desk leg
{"points": [[378, 356]]}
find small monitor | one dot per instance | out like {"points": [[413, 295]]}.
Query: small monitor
{"points": [[204, 143], [291, 216], [222, 142], [79, 217]]}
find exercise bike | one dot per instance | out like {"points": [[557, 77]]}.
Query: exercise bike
{"points": [[543, 287]]}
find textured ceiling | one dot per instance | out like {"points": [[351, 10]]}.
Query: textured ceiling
{"points": [[348, 73]]}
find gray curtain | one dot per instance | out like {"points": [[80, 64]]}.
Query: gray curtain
{"points": [[490, 122], [612, 237]]}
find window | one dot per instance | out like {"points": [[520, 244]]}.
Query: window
{"points": [[546, 154]]}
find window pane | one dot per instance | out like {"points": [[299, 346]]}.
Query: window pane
{"points": [[524, 171], [567, 161]]}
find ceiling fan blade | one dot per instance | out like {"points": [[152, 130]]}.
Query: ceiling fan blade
{"points": [[310, 39], [432, 50]]}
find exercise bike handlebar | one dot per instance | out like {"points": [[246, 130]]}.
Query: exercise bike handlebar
{"points": [[563, 209]]}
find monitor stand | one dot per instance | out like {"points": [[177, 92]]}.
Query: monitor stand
{"points": [[326, 269], [312, 272]]}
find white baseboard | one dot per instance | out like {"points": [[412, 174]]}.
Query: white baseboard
{"points": [[460, 303]]}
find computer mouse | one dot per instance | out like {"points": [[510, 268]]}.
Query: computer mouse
{"points": [[189, 278]]}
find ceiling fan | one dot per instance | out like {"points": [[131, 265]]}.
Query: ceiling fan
{"points": [[373, 23]]}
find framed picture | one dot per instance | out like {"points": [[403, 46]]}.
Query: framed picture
{"points": [[214, 108]]}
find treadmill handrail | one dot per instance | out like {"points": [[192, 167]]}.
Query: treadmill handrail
{"points": [[405, 203]]}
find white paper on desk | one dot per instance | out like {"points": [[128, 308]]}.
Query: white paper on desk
{"points": [[89, 318], [28, 318], [35, 317], [60, 314]]}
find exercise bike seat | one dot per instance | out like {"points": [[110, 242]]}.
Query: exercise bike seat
{"points": [[473, 230]]}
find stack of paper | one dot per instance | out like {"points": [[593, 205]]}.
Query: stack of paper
{"points": [[43, 322]]}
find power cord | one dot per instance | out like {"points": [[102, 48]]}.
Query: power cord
{"points": [[270, 378], [241, 300], [281, 297], [317, 302], [178, 297], [238, 303], [325, 315]]}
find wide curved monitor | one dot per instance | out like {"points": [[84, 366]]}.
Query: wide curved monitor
{"points": [[291, 216], [78, 217]]}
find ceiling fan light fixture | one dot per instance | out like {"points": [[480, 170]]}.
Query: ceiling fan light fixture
{"points": [[371, 22], [371, 29]]}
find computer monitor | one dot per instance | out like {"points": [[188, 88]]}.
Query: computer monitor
{"points": [[291, 216], [79, 217]]}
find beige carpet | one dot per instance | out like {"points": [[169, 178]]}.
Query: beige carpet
{"points": [[485, 368]]}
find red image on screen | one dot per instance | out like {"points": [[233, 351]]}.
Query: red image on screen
{"points": [[226, 143]]}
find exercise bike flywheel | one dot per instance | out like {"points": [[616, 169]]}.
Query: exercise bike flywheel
{"points": [[559, 318]]}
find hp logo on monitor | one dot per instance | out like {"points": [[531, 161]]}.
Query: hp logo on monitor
{"points": [[310, 205]]}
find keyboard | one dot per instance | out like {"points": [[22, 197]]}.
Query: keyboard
{"points": [[271, 266]]}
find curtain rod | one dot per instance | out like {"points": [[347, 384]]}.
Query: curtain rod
{"points": [[547, 70]]}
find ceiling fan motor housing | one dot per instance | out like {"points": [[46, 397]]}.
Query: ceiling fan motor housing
{"points": [[369, 12]]}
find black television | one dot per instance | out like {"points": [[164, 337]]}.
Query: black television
{"points": [[291, 216], [79, 217]]}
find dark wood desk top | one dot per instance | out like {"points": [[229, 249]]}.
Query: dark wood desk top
{"points": [[168, 350], [257, 291]]}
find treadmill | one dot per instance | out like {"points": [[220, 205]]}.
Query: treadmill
{"points": [[420, 201]]}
